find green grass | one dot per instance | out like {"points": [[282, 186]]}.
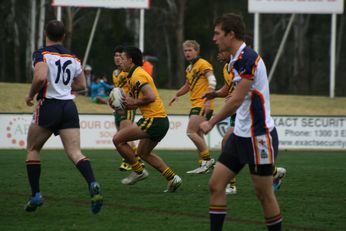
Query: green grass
{"points": [[312, 197], [280, 104]]}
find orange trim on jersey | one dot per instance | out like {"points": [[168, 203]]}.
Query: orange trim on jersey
{"points": [[255, 65], [267, 134], [61, 55], [45, 88], [247, 76]]}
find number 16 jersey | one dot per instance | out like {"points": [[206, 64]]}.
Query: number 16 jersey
{"points": [[63, 67]]}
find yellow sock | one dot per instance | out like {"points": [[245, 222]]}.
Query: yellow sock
{"points": [[233, 181], [275, 171], [199, 162], [134, 148], [137, 167], [168, 173], [205, 155]]}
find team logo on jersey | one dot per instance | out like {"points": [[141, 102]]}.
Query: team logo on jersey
{"points": [[138, 84]]}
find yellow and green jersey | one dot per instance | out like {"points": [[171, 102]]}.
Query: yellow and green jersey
{"points": [[120, 80], [198, 82], [137, 78], [228, 77]]}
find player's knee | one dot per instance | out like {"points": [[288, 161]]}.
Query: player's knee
{"points": [[191, 135], [116, 140], [262, 194], [214, 187]]}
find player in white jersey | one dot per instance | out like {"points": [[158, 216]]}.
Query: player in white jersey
{"points": [[254, 141], [56, 73]]}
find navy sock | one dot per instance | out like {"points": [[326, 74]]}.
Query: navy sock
{"points": [[274, 223], [33, 168], [85, 169], [217, 216]]}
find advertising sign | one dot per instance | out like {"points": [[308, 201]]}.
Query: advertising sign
{"points": [[297, 6], [295, 132]]}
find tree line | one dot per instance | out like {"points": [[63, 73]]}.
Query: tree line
{"points": [[302, 69]]}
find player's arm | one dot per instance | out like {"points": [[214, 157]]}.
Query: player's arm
{"points": [[230, 106], [182, 91], [220, 93], [148, 96], [79, 83], [40, 77]]}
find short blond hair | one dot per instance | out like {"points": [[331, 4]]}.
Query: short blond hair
{"points": [[192, 43]]}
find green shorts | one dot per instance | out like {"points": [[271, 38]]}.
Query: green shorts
{"points": [[128, 115], [156, 128], [198, 111]]}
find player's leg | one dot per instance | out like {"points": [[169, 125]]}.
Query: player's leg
{"points": [[231, 187], [70, 138], [145, 148], [217, 201], [197, 137], [262, 177], [263, 187], [226, 168], [37, 136], [69, 131], [120, 140]]}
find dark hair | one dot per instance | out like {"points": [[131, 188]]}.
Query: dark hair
{"points": [[248, 40], [232, 22], [135, 54], [118, 49], [55, 30]]}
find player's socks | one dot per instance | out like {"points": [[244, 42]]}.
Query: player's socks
{"points": [[205, 155], [134, 148], [217, 216], [168, 173], [137, 167], [199, 162], [274, 223], [33, 168], [85, 169], [275, 171], [233, 182]]}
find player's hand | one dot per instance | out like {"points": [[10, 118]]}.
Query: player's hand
{"points": [[206, 109], [28, 101], [209, 95], [129, 102], [205, 127], [175, 98]]}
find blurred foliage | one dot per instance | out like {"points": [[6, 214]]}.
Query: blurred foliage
{"points": [[303, 68]]}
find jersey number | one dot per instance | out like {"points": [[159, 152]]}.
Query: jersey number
{"points": [[64, 71]]}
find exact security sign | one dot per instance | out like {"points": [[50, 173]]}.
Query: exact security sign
{"points": [[297, 6], [297, 132]]}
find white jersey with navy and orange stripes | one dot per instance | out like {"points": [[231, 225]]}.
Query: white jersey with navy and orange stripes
{"points": [[63, 67], [253, 116]]}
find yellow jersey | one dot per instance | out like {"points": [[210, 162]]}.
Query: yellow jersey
{"points": [[120, 80], [228, 77], [198, 82], [137, 78]]}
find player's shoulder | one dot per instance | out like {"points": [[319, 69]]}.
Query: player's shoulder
{"points": [[202, 61], [248, 55], [57, 49]]}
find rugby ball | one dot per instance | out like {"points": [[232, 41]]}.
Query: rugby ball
{"points": [[116, 98]]}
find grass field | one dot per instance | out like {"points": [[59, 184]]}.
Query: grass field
{"points": [[312, 197]]}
